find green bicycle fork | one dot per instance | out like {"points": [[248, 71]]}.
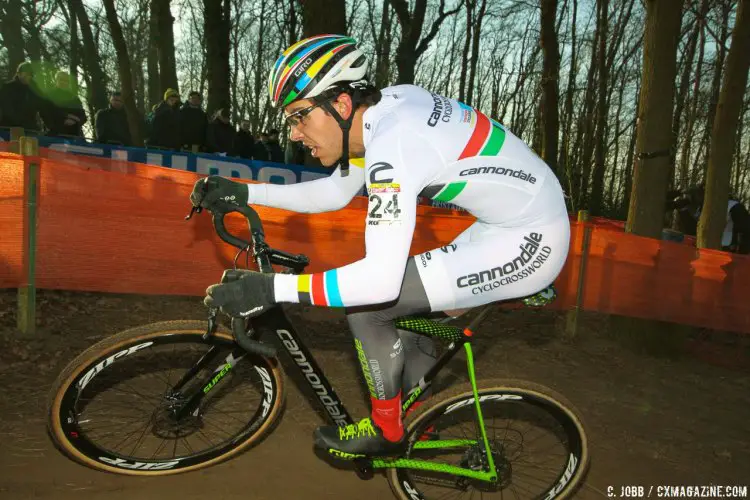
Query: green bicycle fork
{"points": [[407, 463]]}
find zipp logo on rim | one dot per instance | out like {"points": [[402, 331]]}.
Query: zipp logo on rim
{"points": [[482, 399], [413, 494], [103, 364], [124, 464]]}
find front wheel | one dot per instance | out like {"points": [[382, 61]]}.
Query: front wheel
{"points": [[536, 439], [161, 399]]}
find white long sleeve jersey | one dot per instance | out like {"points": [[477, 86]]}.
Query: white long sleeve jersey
{"points": [[417, 143]]}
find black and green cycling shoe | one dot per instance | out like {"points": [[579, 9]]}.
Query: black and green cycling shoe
{"points": [[362, 439]]}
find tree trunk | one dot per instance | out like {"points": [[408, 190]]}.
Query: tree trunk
{"points": [[597, 184], [165, 45], [74, 44], [125, 73], [714, 214], [410, 47], [258, 83], [12, 35], [465, 53], [564, 166], [588, 127], [682, 91], [476, 37], [721, 53], [654, 142], [292, 23], [323, 16], [628, 187], [383, 47], [687, 140], [217, 54], [97, 89], [550, 78], [155, 91]]}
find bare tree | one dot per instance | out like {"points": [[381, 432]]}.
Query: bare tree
{"points": [[97, 83], [410, 48], [597, 183], [382, 38], [152, 57], [714, 215], [475, 41], [550, 78], [165, 45], [125, 72], [217, 26], [323, 16], [654, 143], [726, 7], [10, 27]]}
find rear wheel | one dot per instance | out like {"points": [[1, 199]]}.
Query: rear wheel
{"points": [[120, 405], [537, 441]]}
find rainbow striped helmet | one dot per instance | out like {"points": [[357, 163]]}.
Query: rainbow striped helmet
{"points": [[313, 65]]}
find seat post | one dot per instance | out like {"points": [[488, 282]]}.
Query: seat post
{"points": [[483, 312]]}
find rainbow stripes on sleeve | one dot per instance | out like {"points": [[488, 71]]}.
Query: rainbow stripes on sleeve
{"points": [[319, 289], [486, 139]]}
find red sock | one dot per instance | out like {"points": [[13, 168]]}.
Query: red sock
{"points": [[386, 414]]}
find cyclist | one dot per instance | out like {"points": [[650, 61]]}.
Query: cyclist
{"points": [[400, 142]]}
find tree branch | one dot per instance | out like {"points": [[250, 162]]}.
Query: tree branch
{"points": [[422, 47]]}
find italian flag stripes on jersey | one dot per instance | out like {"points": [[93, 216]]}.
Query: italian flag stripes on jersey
{"points": [[319, 289]]}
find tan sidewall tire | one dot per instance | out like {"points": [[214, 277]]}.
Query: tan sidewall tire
{"points": [[128, 337], [491, 385]]}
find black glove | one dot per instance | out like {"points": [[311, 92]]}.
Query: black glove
{"points": [[209, 190], [242, 293]]}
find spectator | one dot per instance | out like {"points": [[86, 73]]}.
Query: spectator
{"points": [[221, 134], [295, 153], [63, 112], [194, 122], [20, 105], [275, 153], [260, 151], [111, 124], [165, 127], [736, 235], [244, 143]]}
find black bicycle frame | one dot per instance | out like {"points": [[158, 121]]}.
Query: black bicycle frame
{"points": [[275, 322]]}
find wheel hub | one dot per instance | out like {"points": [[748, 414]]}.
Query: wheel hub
{"points": [[475, 459], [167, 426]]}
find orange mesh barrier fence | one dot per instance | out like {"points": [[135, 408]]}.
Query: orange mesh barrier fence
{"points": [[115, 226], [124, 230]]}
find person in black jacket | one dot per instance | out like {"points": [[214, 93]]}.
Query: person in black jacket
{"points": [[275, 152], [221, 134], [194, 123], [20, 104], [111, 124], [166, 127], [63, 113], [244, 142]]}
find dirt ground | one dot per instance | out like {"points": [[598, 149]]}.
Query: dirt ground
{"points": [[652, 420]]}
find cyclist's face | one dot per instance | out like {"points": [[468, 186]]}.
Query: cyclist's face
{"points": [[316, 129]]}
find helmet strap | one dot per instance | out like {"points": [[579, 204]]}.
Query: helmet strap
{"points": [[346, 125]]}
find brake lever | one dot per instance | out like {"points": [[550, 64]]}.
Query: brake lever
{"points": [[194, 210], [212, 312]]}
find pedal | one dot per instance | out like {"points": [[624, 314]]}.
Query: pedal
{"points": [[542, 298], [364, 469]]}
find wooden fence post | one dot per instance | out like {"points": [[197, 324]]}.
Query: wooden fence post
{"points": [[29, 146], [571, 323], [15, 136]]}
